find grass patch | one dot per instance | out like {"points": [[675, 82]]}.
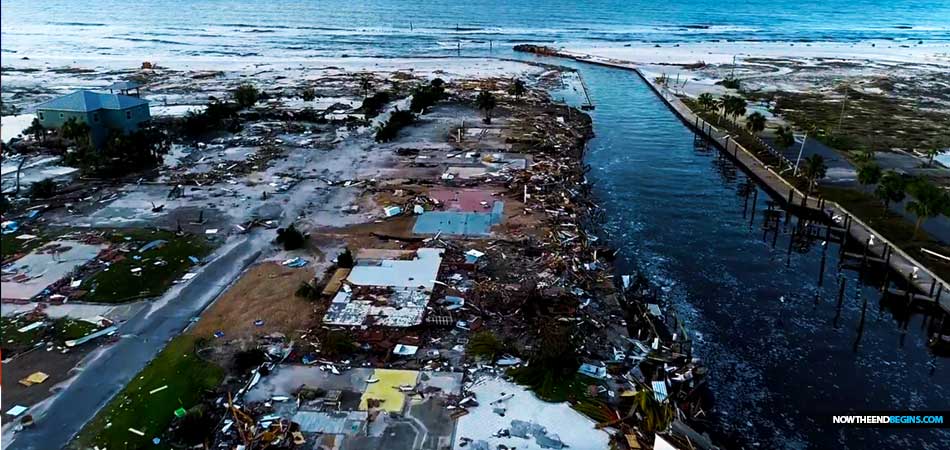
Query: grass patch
{"points": [[871, 122], [893, 227], [56, 330], [10, 245], [188, 378], [160, 266]]}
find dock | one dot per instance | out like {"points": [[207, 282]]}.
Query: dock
{"points": [[878, 250]]}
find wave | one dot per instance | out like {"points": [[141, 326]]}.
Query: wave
{"points": [[78, 24]]}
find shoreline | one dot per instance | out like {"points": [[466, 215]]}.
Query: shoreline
{"points": [[766, 176]]}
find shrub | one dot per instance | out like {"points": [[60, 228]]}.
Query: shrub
{"points": [[246, 95], [290, 238], [730, 82], [248, 359], [372, 105], [337, 343], [426, 96], [307, 291], [345, 259], [308, 95], [485, 344], [43, 189], [397, 121]]}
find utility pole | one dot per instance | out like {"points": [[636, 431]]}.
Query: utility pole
{"points": [[843, 105], [800, 150]]}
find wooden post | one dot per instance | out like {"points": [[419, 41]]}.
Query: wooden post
{"points": [[755, 198], [745, 204], [841, 284], [821, 270]]}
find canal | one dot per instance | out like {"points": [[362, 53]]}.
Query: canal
{"points": [[782, 353]]}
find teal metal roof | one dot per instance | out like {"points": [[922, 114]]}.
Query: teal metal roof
{"points": [[86, 101]]}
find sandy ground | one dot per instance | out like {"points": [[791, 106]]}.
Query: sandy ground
{"points": [[265, 292], [799, 67]]}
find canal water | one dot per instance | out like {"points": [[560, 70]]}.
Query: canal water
{"points": [[782, 354]]}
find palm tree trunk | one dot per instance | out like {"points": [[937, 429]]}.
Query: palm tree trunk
{"points": [[920, 219]]}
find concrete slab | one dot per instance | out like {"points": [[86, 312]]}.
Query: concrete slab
{"points": [[286, 380], [45, 266], [454, 223], [540, 424]]}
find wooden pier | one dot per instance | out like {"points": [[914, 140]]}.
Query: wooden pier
{"points": [[877, 249]]}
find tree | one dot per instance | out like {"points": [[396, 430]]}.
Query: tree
{"points": [[75, 131], [863, 157], [814, 170], [706, 101], [345, 259], [290, 238], [929, 201], [935, 149], [734, 106], [43, 189], [891, 188], [869, 173], [426, 95], [486, 103], [517, 87], [366, 83], [720, 104], [784, 136], [37, 130], [246, 95], [308, 95], [755, 122]]}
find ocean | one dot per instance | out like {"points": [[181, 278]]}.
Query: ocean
{"points": [[169, 29], [779, 348]]}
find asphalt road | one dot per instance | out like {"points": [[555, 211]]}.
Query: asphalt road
{"points": [[143, 336]]}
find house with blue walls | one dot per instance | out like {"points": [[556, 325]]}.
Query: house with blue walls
{"points": [[102, 112]]}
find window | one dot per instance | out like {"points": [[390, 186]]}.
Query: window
{"points": [[128, 115], [62, 116], [95, 117], [41, 116]]}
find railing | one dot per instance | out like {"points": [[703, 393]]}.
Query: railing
{"points": [[864, 233]]}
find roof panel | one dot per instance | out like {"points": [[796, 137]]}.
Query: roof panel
{"points": [[86, 101]]}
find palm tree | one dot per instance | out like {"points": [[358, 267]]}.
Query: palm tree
{"points": [[706, 101], [486, 102], [720, 104], [929, 201], [755, 122], [517, 87], [891, 188], [737, 108], [935, 149], [815, 169], [869, 173]]}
